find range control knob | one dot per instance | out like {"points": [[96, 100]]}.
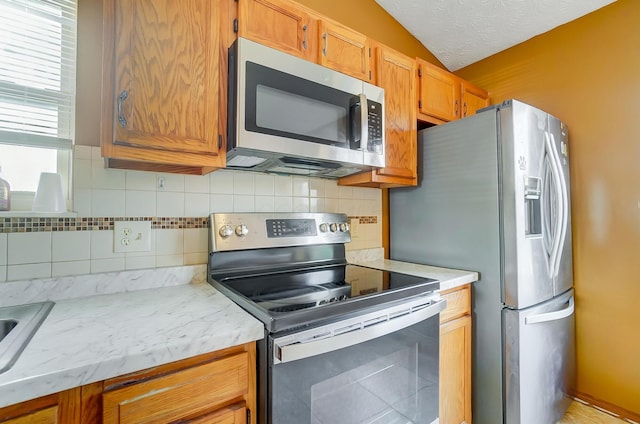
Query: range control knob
{"points": [[242, 230], [333, 227], [344, 227], [324, 228], [225, 231]]}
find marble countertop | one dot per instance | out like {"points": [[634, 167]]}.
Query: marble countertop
{"points": [[449, 278], [96, 337]]}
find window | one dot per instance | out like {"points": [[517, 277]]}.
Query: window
{"points": [[37, 89]]}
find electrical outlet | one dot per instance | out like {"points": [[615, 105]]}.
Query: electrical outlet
{"points": [[132, 236]]}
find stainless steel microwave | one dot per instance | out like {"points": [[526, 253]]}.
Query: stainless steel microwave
{"points": [[290, 116]]}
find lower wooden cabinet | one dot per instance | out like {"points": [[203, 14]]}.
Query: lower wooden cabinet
{"points": [[215, 388], [455, 357]]}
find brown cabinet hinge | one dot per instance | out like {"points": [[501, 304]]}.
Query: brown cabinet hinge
{"points": [[248, 416], [420, 104], [369, 75], [235, 25], [219, 141], [419, 71]]}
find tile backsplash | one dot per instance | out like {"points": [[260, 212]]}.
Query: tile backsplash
{"points": [[177, 205]]}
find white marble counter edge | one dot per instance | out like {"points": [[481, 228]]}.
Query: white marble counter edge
{"points": [[52, 362], [449, 278]]}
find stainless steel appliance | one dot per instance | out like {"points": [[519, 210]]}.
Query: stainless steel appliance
{"points": [[343, 343], [494, 198], [290, 116]]}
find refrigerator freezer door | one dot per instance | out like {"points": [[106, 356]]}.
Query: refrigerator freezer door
{"points": [[532, 205], [539, 353]]}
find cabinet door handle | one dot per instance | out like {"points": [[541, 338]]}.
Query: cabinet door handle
{"points": [[304, 39], [464, 109], [121, 98], [324, 48]]}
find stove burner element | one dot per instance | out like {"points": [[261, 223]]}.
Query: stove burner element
{"points": [[292, 297]]}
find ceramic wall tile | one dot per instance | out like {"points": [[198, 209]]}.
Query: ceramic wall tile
{"points": [[139, 180], [316, 187], [108, 202], [3, 273], [196, 204], [221, 182], [282, 204], [316, 205], [196, 240], [264, 204], [170, 182], [169, 242], [107, 265], [28, 248], [244, 183], [140, 203], [169, 260], [221, 203], [264, 184], [105, 178], [195, 258], [28, 271], [300, 186], [196, 183], [81, 173], [332, 205], [82, 202], [102, 245], [283, 186], [62, 269], [70, 246], [331, 188], [139, 262], [81, 152], [300, 204], [169, 203], [3, 249], [243, 203]]}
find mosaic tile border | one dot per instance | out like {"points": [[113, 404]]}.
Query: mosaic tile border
{"points": [[32, 225]]}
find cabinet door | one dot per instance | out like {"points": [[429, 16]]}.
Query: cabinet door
{"points": [[234, 414], [193, 392], [344, 50], [395, 73], [455, 371], [279, 24], [59, 408], [439, 92], [473, 98], [162, 79]]}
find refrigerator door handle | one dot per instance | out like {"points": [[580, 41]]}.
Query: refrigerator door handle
{"points": [[558, 235], [564, 216], [552, 316]]}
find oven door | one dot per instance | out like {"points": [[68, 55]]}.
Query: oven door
{"points": [[380, 367], [297, 109]]}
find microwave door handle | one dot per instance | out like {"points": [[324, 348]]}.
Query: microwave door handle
{"points": [[364, 122]]}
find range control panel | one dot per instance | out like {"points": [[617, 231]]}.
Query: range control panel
{"points": [[237, 231]]}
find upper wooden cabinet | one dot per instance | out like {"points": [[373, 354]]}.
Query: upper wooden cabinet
{"points": [[280, 24], [162, 85], [344, 50], [443, 97], [395, 73], [297, 30]]}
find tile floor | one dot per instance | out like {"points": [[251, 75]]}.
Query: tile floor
{"points": [[579, 413]]}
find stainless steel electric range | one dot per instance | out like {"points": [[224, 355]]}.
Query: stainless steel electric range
{"points": [[343, 343]]}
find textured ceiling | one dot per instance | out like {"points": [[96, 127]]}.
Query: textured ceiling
{"points": [[461, 32]]}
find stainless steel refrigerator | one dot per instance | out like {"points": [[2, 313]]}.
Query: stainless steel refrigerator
{"points": [[494, 197]]}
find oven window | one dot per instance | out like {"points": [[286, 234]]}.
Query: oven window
{"points": [[285, 105], [390, 379]]}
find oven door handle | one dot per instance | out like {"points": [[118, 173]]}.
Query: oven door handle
{"points": [[353, 334]]}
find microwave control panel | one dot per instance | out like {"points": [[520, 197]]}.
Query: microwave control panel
{"points": [[375, 127]]}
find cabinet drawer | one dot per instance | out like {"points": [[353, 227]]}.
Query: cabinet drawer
{"points": [[179, 395], [458, 303]]}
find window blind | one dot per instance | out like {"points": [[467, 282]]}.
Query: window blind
{"points": [[37, 72]]}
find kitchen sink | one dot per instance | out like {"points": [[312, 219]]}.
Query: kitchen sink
{"points": [[18, 324]]}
